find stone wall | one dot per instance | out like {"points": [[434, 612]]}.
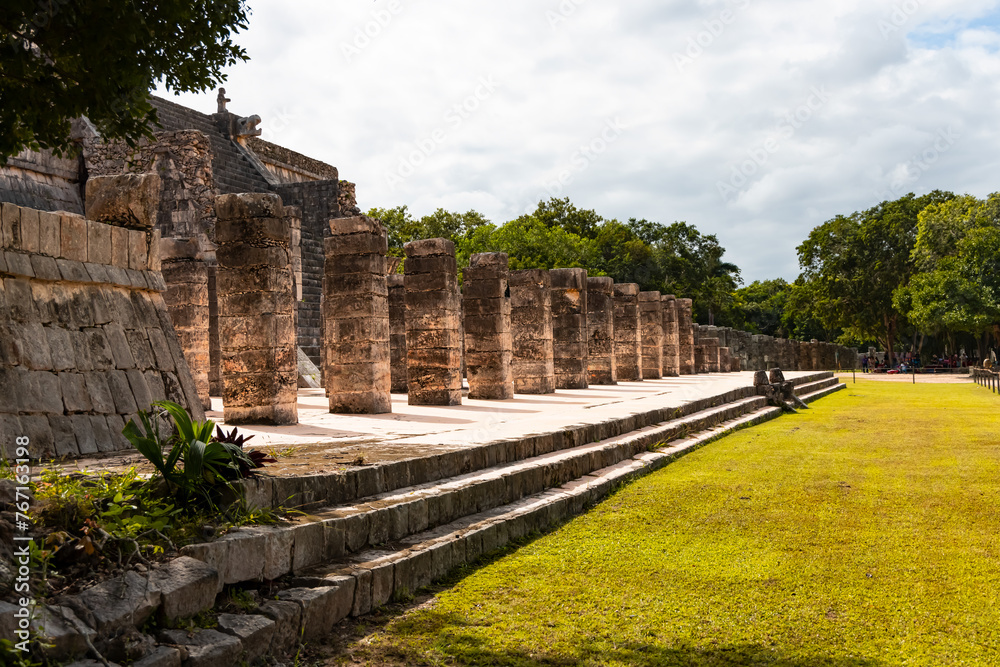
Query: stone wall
{"points": [[42, 181], [85, 337], [317, 204]]}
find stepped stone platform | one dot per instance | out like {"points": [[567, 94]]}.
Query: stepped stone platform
{"points": [[429, 489]]}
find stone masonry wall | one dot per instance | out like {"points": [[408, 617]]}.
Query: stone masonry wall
{"points": [[259, 365], [85, 337], [531, 324]]}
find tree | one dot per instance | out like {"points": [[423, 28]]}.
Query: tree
{"points": [[760, 306], [855, 263], [957, 254], [61, 59]]}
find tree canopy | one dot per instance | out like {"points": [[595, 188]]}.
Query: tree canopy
{"points": [[61, 59]]}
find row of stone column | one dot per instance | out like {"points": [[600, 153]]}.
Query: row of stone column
{"points": [[753, 351], [531, 331]]}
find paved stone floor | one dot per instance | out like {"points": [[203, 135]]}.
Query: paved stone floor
{"points": [[412, 431], [322, 442]]}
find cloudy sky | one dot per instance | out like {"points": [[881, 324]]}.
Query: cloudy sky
{"points": [[754, 120]]}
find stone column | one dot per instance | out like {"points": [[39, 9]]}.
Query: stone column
{"points": [[531, 326], [433, 323], [671, 337], [488, 341], [186, 276], [711, 347], [700, 361], [685, 336], [397, 333], [569, 327], [356, 317], [259, 363], [628, 333], [651, 321], [725, 361], [601, 325]]}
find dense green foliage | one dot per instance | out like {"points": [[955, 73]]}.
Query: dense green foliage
{"points": [[813, 539], [60, 59]]}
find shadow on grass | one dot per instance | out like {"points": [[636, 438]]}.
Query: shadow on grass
{"points": [[460, 648]]}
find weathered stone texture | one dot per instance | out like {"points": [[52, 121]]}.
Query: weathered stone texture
{"points": [[651, 323], [125, 200], [601, 364], [84, 343], [259, 366], [671, 337], [531, 325], [569, 327], [186, 276], [488, 338], [397, 334], [685, 337], [433, 323], [628, 332], [356, 317]]}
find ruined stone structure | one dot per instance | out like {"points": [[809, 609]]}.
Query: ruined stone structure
{"points": [[85, 337], [397, 333], [488, 338], [601, 325], [356, 317], [531, 322], [651, 322], [671, 337], [628, 332], [259, 363], [433, 323], [569, 327], [186, 277], [685, 337]]}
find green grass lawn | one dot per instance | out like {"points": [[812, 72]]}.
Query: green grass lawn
{"points": [[863, 531]]}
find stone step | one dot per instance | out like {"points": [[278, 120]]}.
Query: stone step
{"points": [[341, 529], [354, 583], [343, 487]]}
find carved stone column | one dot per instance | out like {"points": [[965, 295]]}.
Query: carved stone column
{"points": [[259, 364], [356, 317], [671, 337], [531, 326], [433, 323], [685, 336], [651, 320], [397, 334], [488, 341], [569, 327], [601, 365], [628, 333]]}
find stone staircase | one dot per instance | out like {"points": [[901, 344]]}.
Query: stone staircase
{"points": [[231, 170], [352, 555]]}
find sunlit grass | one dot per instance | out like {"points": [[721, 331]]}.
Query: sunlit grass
{"points": [[861, 532]]}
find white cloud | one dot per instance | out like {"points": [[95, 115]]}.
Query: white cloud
{"points": [[559, 82]]}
